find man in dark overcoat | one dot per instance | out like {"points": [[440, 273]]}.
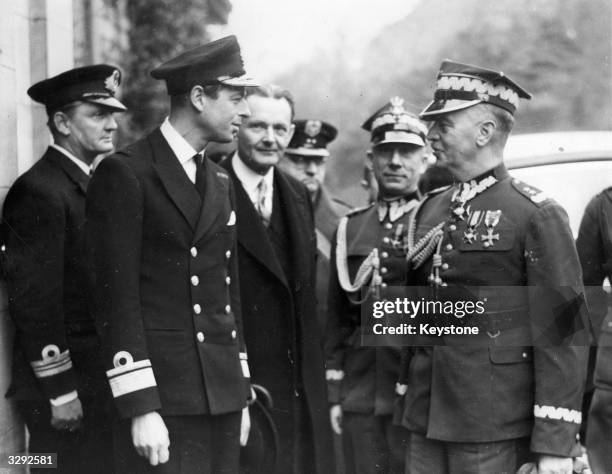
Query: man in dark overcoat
{"points": [[57, 377], [161, 235], [276, 255]]}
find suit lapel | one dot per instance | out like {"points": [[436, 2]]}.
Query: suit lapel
{"points": [[180, 189], [72, 170], [252, 235]]}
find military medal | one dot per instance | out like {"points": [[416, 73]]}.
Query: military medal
{"points": [[468, 192], [473, 221], [491, 220]]}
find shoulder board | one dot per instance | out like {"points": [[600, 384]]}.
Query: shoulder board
{"points": [[438, 190], [221, 174], [358, 210], [532, 193], [340, 202]]}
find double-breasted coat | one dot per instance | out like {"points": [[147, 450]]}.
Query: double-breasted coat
{"points": [[164, 284]]}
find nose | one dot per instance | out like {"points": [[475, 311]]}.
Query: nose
{"points": [[243, 110], [396, 158], [111, 123], [311, 167], [269, 136]]}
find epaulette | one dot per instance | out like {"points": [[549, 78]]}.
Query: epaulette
{"points": [[358, 210], [532, 193], [340, 202], [438, 190]]}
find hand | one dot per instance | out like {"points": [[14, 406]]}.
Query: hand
{"points": [[67, 416], [335, 415], [150, 438], [245, 426], [554, 465]]}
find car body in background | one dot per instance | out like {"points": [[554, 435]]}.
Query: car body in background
{"points": [[570, 167]]}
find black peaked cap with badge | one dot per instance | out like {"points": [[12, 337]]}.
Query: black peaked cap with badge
{"points": [[392, 123], [217, 62], [96, 84], [311, 138], [460, 86]]}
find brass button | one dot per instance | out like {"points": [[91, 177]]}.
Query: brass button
{"points": [[452, 227], [200, 336], [384, 255], [228, 309], [383, 270], [445, 266], [386, 240], [197, 309], [383, 285], [233, 334], [228, 280], [448, 247], [228, 254], [194, 252], [388, 225], [195, 281]]}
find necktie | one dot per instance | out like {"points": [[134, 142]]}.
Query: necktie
{"points": [[260, 203], [200, 182]]}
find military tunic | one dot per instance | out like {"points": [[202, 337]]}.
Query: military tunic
{"points": [[506, 387], [361, 378]]}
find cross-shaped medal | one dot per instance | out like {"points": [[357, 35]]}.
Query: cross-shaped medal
{"points": [[489, 238], [469, 236]]}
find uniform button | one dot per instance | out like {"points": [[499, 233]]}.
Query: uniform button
{"points": [[444, 284], [228, 309], [228, 280], [3, 248], [195, 281], [228, 254], [200, 336], [383, 285], [386, 240], [524, 355], [383, 270], [448, 247], [194, 252], [452, 227], [445, 266], [197, 309], [388, 225], [384, 255], [233, 334]]}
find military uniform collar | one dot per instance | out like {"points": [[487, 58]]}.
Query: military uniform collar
{"points": [[396, 208]]}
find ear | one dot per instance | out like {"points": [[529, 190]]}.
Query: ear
{"points": [[486, 130], [197, 98], [61, 121], [370, 158]]}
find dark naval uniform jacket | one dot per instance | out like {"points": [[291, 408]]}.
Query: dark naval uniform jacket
{"points": [[327, 213], [362, 378], [277, 272], [56, 347], [164, 283], [513, 247]]}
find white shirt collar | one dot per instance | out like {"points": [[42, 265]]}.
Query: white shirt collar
{"points": [[250, 179], [181, 147], [81, 164]]}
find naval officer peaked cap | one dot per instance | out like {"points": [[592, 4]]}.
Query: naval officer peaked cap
{"points": [[311, 138], [460, 86], [392, 123], [217, 62], [97, 84]]}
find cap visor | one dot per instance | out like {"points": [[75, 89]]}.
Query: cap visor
{"points": [[410, 139], [240, 81], [308, 151], [437, 108], [110, 102]]}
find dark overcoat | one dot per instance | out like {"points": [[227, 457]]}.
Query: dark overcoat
{"points": [[280, 325]]}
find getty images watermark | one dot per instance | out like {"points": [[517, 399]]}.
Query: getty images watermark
{"points": [[474, 315]]}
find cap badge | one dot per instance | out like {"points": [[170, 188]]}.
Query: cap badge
{"points": [[112, 82], [397, 105], [312, 128]]}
